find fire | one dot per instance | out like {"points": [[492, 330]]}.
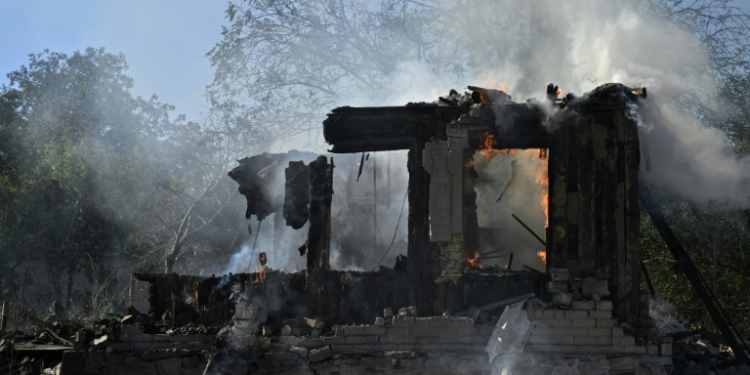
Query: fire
{"points": [[260, 275], [542, 178], [495, 84], [469, 164], [489, 144], [260, 271], [473, 262], [542, 254]]}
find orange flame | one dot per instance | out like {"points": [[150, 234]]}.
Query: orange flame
{"points": [[473, 262], [488, 147], [469, 164], [543, 178], [542, 254], [260, 275]]}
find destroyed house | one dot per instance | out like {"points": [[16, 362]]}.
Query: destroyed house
{"points": [[462, 292]]}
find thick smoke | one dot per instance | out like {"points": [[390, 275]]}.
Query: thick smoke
{"points": [[582, 44], [579, 45]]}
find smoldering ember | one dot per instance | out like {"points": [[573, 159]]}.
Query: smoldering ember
{"points": [[462, 300]]}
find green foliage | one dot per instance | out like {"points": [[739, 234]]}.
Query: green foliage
{"points": [[93, 178], [705, 233]]}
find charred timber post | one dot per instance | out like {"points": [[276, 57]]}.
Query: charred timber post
{"points": [[594, 213], [319, 236], [419, 251]]}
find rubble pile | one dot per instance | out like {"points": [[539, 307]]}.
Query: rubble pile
{"points": [[700, 352], [395, 343]]}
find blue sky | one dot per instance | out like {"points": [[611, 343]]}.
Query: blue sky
{"points": [[164, 41]]}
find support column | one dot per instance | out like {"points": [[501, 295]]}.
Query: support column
{"points": [[594, 210], [419, 252], [319, 237]]}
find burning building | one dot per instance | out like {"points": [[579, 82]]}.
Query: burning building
{"points": [[463, 300]]}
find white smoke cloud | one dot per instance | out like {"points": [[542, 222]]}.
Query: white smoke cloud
{"points": [[582, 44]]}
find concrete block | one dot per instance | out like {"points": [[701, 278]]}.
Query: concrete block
{"points": [[586, 322], [604, 305], [353, 349], [578, 314], [311, 342], [614, 349], [606, 323], [320, 354], [592, 287], [665, 349], [557, 287], [562, 299], [588, 349], [602, 314], [604, 340], [583, 305], [333, 340], [600, 332], [356, 340], [578, 331], [361, 331], [617, 331], [585, 341], [634, 349], [553, 323], [623, 340], [161, 338], [379, 322], [289, 340]]}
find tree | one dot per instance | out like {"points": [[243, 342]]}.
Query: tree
{"points": [[282, 64], [83, 157]]}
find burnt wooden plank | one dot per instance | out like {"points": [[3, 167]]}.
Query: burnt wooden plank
{"points": [[319, 236], [351, 129]]}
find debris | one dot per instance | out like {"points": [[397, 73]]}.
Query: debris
{"points": [[101, 340], [509, 338], [529, 229]]}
